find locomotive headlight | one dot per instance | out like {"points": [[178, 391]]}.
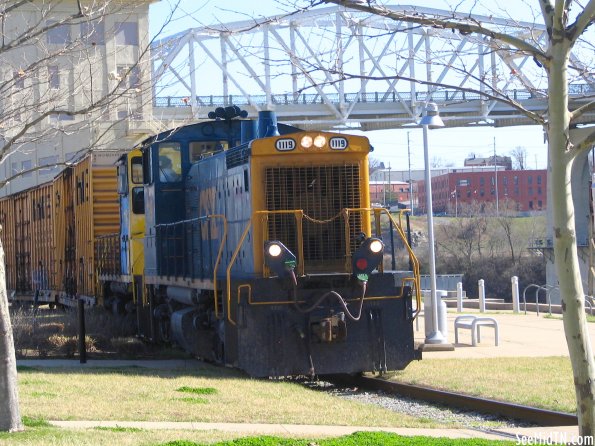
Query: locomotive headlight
{"points": [[274, 250], [319, 141], [306, 141], [376, 246], [278, 258], [367, 257]]}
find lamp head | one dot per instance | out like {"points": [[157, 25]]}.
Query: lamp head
{"points": [[431, 117], [279, 258]]}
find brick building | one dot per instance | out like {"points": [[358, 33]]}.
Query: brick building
{"points": [[389, 193], [453, 190]]}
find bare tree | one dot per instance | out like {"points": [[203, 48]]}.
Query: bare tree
{"points": [[55, 85], [519, 157], [565, 23], [10, 415]]}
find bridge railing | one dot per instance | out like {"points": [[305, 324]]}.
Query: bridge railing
{"points": [[370, 97]]}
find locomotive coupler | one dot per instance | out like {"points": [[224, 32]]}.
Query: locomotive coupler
{"points": [[332, 328]]}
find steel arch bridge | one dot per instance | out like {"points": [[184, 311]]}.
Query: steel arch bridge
{"points": [[336, 68]]}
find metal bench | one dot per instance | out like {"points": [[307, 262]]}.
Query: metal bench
{"points": [[473, 323]]}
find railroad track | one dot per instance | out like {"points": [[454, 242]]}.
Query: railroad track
{"points": [[541, 417]]}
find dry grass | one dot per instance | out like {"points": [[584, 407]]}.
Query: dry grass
{"points": [[136, 394], [48, 333], [541, 382]]}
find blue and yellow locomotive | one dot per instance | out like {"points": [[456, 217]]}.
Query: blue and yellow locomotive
{"points": [[252, 244]]}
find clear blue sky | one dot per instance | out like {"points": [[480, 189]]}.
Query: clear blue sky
{"points": [[448, 145]]}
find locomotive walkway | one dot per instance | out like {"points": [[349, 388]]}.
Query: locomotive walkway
{"points": [[520, 336]]}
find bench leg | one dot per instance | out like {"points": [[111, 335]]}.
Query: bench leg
{"points": [[474, 331], [496, 334]]}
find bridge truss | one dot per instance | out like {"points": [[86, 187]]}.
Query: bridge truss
{"points": [[335, 68]]}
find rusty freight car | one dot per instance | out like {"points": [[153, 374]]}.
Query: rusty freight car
{"points": [[49, 231]]}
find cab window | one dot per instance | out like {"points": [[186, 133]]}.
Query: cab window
{"points": [[200, 149], [138, 200], [170, 163], [137, 170], [122, 179]]}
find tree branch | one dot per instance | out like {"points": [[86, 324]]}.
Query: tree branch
{"points": [[575, 114], [446, 23], [499, 96], [586, 144], [584, 19]]}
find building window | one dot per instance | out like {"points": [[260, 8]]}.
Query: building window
{"points": [[61, 117], [529, 179], [49, 161], [516, 190], [26, 167], [19, 79], [505, 180], [516, 180], [58, 35], [530, 190], [126, 33], [130, 76], [93, 33], [538, 179], [539, 204], [482, 181], [531, 204], [54, 76], [481, 193]]}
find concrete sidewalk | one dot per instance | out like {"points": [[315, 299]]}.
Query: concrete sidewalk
{"points": [[557, 434], [520, 335]]}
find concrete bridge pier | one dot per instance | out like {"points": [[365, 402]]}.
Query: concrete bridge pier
{"points": [[582, 198]]}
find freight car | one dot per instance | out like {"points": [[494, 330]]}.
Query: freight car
{"points": [[248, 243], [49, 232]]}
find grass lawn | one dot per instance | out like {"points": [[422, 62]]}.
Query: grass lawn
{"points": [[540, 382], [207, 394], [128, 437]]}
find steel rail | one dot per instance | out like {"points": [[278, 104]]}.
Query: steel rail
{"points": [[541, 417]]}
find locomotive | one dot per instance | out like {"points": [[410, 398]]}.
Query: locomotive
{"points": [[251, 243]]}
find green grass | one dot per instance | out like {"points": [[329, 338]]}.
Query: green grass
{"points": [[204, 394], [356, 439], [540, 382], [198, 390], [138, 437]]}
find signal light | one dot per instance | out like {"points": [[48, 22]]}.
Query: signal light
{"points": [[278, 258], [367, 257]]}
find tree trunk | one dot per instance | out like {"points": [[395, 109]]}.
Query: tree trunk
{"points": [[561, 157], [10, 416]]}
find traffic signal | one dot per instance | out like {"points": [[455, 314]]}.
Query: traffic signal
{"points": [[278, 258], [367, 257]]}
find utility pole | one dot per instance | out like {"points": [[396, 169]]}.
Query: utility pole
{"points": [[496, 178], [410, 185]]}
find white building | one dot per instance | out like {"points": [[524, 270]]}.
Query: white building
{"points": [[71, 84]]}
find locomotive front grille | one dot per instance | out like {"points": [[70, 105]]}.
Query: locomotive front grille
{"points": [[321, 192]]}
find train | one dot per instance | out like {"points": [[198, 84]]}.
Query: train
{"points": [[247, 242]]}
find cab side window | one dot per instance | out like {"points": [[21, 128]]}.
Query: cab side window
{"points": [[170, 163], [200, 149]]}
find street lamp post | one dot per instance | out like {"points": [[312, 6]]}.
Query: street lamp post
{"points": [[431, 118]]}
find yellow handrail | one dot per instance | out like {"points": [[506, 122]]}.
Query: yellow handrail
{"points": [[299, 215], [219, 255]]}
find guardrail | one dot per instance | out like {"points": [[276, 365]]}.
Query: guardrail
{"points": [[372, 97]]}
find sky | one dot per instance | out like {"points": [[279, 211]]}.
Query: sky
{"points": [[446, 146]]}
